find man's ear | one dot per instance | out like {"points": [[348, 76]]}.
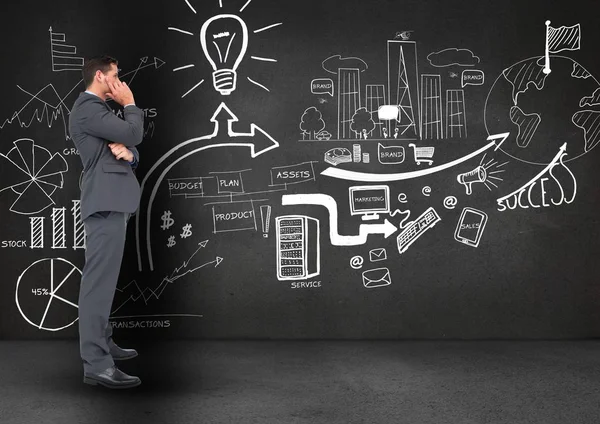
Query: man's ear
{"points": [[99, 75]]}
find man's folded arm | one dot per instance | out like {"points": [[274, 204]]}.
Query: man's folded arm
{"points": [[104, 124], [136, 157]]}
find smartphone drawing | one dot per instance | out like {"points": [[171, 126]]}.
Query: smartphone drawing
{"points": [[470, 227]]}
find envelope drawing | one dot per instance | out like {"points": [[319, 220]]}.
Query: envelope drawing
{"points": [[378, 255], [377, 277]]}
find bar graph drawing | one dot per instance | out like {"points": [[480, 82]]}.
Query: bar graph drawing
{"points": [[64, 56], [78, 228], [37, 232], [59, 228], [59, 235]]}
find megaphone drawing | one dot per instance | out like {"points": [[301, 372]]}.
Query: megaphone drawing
{"points": [[478, 175]]}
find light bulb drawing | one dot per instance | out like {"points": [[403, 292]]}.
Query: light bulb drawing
{"points": [[224, 40]]}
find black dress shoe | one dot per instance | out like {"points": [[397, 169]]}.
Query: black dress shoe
{"points": [[120, 354], [113, 378]]}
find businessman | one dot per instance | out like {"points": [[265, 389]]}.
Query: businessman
{"points": [[110, 193]]}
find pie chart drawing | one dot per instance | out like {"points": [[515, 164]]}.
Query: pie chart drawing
{"points": [[33, 173], [47, 294]]}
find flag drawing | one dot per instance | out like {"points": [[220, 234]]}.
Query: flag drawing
{"points": [[560, 39], [563, 38]]}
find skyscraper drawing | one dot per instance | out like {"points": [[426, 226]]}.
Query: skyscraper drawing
{"points": [[348, 100], [431, 107], [456, 120], [374, 98], [403, 87]]}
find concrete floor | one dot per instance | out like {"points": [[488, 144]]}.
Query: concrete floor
{"points": [[412, 382]]}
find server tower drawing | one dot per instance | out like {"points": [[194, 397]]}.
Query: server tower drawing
{"points": [[298, 249]]}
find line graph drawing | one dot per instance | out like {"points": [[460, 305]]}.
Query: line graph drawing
{"points": [[48, 106], [56, 279], [134, 292], [63, 55], [44, 106], [33, 173]]}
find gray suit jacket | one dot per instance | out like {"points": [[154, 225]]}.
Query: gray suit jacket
{"points": [[108, 184]]}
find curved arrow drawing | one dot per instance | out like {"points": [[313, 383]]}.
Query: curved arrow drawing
{"points": [[531, 183], [387, 228], [257, 139], [369, 177]]}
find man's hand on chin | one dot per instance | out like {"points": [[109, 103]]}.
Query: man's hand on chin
{"points": [[120, 151]]}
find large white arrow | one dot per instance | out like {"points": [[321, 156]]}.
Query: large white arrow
{"points": [[387, 228], [257, 139], [369, 177]]}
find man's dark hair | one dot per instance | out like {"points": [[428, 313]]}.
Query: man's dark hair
{"points": [[98, 63]]}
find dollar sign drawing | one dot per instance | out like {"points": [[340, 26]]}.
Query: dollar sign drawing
{"points": [[171, 241], [186, 231], [167, 220]]}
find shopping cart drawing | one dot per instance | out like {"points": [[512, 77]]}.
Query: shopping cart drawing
{"points": [[422, 154]]}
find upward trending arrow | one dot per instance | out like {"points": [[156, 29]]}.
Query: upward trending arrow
{"points": [[370, 177]]}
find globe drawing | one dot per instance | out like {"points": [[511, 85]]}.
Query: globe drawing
{"points": [[543, 111]]}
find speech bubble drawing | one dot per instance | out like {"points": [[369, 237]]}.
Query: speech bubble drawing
{"points": [[472, 77], [387, 112], [322, 86], [390, 155]]}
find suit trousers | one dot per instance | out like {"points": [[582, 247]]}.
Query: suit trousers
{"points": [[105, 243]]}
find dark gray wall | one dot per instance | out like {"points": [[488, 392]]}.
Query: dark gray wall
{"points": [[533, 273]]}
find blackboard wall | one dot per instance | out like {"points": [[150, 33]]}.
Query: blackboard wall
{"points": [[245, 227]]}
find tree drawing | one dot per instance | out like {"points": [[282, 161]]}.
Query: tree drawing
{"points": [[311, 123], [362, 122]]}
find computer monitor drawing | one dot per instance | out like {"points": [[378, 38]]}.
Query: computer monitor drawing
{"points": [[369, 201]]}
